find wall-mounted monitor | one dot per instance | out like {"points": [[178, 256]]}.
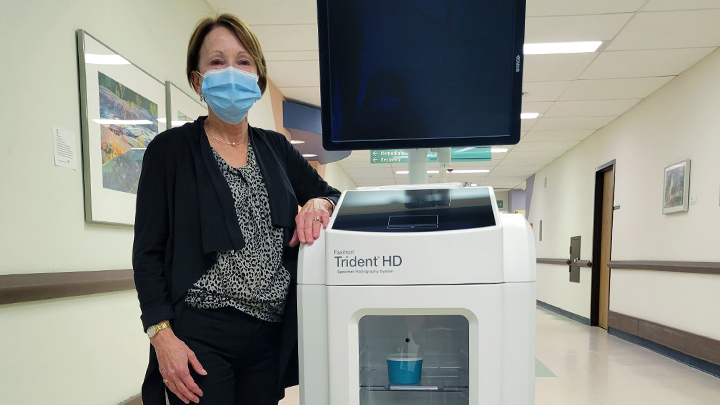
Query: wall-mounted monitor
{"points": [[420, 73]]}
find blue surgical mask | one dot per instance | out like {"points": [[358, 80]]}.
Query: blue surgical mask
{"points": [[230, 93]]}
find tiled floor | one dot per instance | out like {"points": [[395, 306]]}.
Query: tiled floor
{"points": [[580, 365], [593, 367]]}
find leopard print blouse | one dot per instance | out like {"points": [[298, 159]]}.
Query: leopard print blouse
{"points": [[253, 278]]}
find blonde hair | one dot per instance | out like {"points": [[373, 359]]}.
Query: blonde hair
{"points": [[243, 33]]}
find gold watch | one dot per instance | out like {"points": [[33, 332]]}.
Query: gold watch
{"points": [[154, 329]]}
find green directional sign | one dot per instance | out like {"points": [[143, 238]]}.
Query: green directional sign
{"points": [[389, 156], [471, 154], [461, 154]]}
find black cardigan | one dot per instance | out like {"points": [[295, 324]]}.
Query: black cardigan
{"points": [[185, 214]]}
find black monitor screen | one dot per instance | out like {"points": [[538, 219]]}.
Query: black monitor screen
{"points": [[420, 73]]}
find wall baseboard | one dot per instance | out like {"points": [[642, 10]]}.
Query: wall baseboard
{"points": [[692, 361], [689, 344], [567, 314]]}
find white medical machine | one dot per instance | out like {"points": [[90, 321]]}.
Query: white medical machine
{"points": [[433, 275]]}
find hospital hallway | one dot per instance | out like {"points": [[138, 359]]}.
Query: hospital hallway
{"points": [[583, 365], [394, 202]]}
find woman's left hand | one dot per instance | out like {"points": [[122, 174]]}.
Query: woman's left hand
{"points": [[314, 214]]}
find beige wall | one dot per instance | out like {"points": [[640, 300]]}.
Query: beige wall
{"points": [[277, 99], [337, 177], [261, 114], [43, 227], [87, 350], [72, 351], [680, 121], [320, 168]]}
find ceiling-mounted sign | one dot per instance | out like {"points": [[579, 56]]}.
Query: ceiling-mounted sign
{"points": [[468, 154], [389, 156]]}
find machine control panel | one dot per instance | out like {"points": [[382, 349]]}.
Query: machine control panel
{"points": [[415, 210]]}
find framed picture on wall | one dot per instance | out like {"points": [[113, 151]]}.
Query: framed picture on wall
{"points": [[181, 107], [122, 110], [676, 188]]}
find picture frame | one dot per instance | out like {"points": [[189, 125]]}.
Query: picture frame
{"points": [[181, 107], [122, 109], [676, 188]]}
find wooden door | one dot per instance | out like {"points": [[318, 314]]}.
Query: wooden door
{"points": [[606, 246]]}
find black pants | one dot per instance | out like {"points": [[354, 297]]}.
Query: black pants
{"points": [[239, 352]]}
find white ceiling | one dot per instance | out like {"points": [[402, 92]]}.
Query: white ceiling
{"points": [[646, 44]]}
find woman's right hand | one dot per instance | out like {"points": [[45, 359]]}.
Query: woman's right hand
{"points": [[173, 358]]}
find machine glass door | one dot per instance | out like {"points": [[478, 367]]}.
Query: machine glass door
{"points": [[413, 359]]}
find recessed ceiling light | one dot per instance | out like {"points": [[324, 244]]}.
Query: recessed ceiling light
{"points": [[561, 47], [529, 116], [296, 141], [307, 155], [407, 172], [469, 171], [498, 150]]}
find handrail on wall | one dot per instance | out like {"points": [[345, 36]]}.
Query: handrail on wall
{"points": [[44, 286], [654, 265]]}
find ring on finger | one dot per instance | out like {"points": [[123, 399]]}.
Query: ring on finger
{"points": [[318, 219], [165, 380]]}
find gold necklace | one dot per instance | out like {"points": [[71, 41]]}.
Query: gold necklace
{"points": [[228, 143]]}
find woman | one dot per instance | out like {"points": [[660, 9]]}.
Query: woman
{"points": [[216, 236]]}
